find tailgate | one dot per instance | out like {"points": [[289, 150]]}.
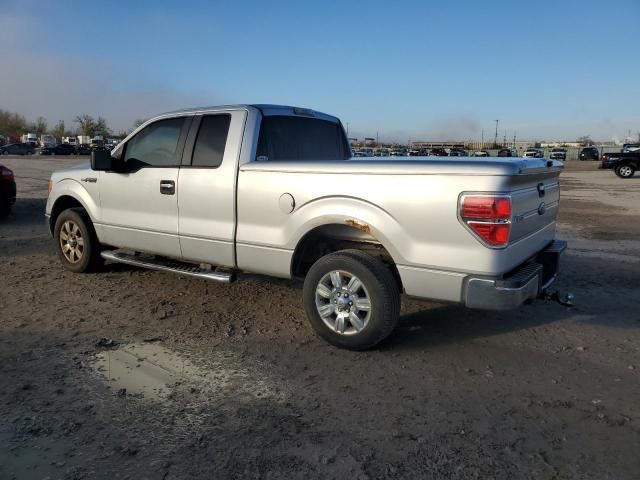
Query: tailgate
{"points": [[535, 196]]}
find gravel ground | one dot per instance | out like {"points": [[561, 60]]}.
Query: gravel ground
{"points": [[139, 374]]}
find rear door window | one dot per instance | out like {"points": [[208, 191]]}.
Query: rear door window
{"points": [[292, 138], [211, 140]]}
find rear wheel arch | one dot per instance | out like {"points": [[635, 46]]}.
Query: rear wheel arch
{"points": [[334, 237]]}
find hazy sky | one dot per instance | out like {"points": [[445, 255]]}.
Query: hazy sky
{"points": [[408, 70]]}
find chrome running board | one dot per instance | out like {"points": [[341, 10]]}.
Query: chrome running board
{"points": [[167, 265]]}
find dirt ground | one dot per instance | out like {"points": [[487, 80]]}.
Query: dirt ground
{"points": [[138, 374]]}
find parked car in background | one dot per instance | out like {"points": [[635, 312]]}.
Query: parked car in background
{"points": [[398, 152], [60, 149], [83, 150], [7, 191], [47, 140], [290, 203], [558, 154], [111, 143], [624, 164], [589, 153], [533, 153], [368, 151], [480, 153], [97, 142], [382, 152], [458, 152], [358, 153], [507, 152], [18, 149], [31, 138], [438, 152], [630, 147]]}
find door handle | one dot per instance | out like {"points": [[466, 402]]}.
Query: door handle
{"points": [[167, 187]]}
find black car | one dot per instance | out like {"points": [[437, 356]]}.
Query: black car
{"points": [[86, 150], [18, 149], [624, 164], [507, 152], [60, 149], [589, 153], [420, 152], [438, 152], [7, 191], [458, 152]]}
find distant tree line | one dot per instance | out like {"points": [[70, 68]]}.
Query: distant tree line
{"points": [[14, 125]]}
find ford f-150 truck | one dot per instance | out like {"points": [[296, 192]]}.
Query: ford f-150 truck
{"points": [[211, 192]]}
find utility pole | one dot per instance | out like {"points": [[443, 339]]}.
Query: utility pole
{"points": [[514, 139], [482, 139], [347, 129], [495, 139]]}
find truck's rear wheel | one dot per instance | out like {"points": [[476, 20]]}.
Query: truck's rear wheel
{"points": [[76, 241], [351, 299], [625, 171]]}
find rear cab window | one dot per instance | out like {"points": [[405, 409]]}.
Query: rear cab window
{"points": [[297, 138]]}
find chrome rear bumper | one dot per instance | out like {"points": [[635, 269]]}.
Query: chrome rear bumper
{"points": [[524, 283]]}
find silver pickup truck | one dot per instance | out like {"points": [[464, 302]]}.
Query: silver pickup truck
{"points": [[211, 192]]}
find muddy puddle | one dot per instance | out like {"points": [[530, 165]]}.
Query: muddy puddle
{"points": [[153, 371], [149, 370]]}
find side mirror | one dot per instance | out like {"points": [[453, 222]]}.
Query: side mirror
{"points": [[101, 160]]}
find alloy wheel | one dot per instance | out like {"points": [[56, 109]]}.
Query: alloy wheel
{"points": [[343, 302], [71, 241]]}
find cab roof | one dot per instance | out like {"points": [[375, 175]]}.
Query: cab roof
{"points": [[264, 108]]}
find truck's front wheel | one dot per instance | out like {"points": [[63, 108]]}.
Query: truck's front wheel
{"points": [[76, 241], [351, 299]]}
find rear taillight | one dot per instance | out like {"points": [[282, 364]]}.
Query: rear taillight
{"points": [[6, 174], [488, 217]]}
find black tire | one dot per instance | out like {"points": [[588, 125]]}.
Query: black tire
{"points": [[90, 260], [382, 290], [625, 170]]}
